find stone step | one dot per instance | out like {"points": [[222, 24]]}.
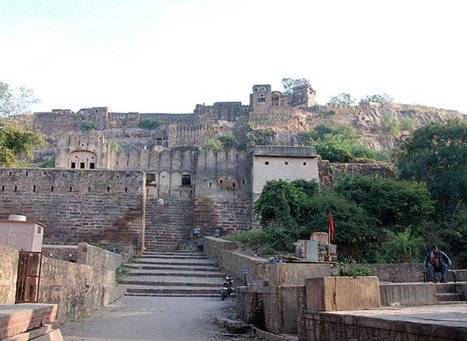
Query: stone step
{"points": [[170, 267], [173, 295], [448, 296], [154, 282], [170, 291], [162, 256], [186, 262], [175, 273], [175, 253], [449, 287]]}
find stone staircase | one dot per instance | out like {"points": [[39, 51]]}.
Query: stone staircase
{"points": [[173, 273], [451, 293]]}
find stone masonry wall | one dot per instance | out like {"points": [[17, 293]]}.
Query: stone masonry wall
{"points": [[77, 205], [8, 274], [167, 223], [79, 289]]}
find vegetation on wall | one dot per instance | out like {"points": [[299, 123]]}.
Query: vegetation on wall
{"points": [[224, 141], [88, 126], [339, 144], [149, 123]]}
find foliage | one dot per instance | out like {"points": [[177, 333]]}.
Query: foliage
{"points": [[16, 143], [228, 141], [213, 144], [339, 144], [88, 125], [358, 271], [377, 98], [114, 146], [15, 101], [342, 99], [402, 247], [390, 125], [407, 123], [281, 204], [354, 231], [437, 154], [390, 202], [290, 83], [50, 163], [251, 238], [261, 137], [149, 123]]}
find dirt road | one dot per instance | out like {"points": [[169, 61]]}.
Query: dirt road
{"points": [[156, 319]]}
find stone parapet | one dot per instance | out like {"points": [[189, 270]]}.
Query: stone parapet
{"points": [[407, 294]]}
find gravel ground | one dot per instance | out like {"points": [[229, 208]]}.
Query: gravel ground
{"points": [[156, 318]]}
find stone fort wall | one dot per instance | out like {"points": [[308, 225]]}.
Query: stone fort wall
{"points": [[76, 205]]}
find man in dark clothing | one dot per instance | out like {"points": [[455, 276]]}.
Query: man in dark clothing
{"points": [[437, 261]]}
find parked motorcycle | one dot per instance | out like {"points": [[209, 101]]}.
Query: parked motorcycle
{"points": [[226, 289]]}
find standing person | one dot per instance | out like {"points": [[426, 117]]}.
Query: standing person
{"points": [[437, 261]]}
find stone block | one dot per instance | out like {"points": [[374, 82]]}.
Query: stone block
{"points": [[19, 318], [31, 334], [407, 294], [296, 273], [55, 335], [342, 293]]}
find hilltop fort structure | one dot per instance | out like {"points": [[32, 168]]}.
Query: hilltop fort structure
{"points": [[150, 179]]}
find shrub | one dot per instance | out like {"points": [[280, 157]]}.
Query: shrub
{"points": [[88, 125], [149, 123]]}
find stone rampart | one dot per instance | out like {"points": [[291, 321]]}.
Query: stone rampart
{"points": [[77, 205], [8, 274]]}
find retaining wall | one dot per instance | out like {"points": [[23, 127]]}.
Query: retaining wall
{"points": [[8, 274]]}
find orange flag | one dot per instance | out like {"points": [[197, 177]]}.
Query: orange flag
{"points": [[331, 227]]}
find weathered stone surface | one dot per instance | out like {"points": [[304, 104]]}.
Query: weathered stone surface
{"points": [[407, 294], [8, 274], [19, 318], [342, 293], [296, 273], [429, 323]]}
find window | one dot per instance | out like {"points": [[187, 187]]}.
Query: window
{"points": [[286, 163], [82, 165], [73, 165], [151, 179], [186, 180], [266, 163], [91, 165], [304, 163]]}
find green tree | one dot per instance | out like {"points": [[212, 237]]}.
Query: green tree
{"points": [[390, 125], [342, 99], [15, 101], [354, 232], [402, 247], [213, 144], [437, 154], [149, 123], [228, 141], [290, 83], [16, 143], [280, 205], [390, 202]]}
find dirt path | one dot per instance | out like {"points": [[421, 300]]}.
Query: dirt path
{"points": [[155, 318]]}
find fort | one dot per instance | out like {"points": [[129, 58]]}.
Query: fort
{"points": [[118, 180]]}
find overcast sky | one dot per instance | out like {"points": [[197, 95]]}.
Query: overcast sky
{"points": [[169, 55]]}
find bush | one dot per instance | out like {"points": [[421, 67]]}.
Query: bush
{"points": [[213, 144], [149, 123], [88, 125]]}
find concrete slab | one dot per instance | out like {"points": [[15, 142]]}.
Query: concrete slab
{"points": [[407, 294]]}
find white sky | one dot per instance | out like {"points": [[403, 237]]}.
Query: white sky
{"points": [[169, 55]]}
